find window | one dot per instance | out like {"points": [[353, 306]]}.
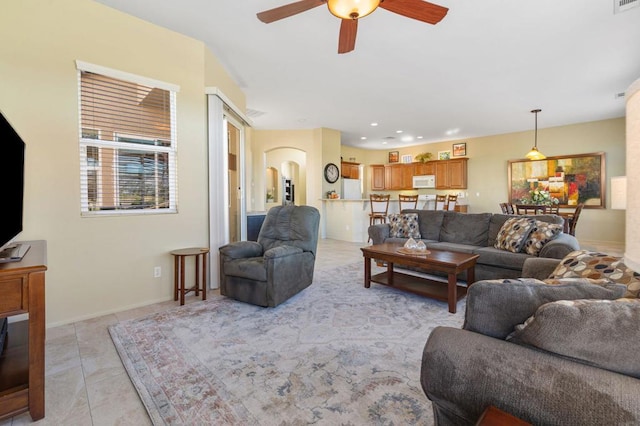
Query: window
{"points": [[127, 143]]}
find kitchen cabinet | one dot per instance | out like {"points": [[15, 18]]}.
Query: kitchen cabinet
{"points": [[426, 168], [350, 170], [451, 174], [398, 176], [377, 177]]}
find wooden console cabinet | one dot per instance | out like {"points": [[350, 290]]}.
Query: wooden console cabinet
{"points": [[22, 361]]}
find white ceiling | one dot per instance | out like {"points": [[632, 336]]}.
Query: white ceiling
{"points": [[480, 70]]}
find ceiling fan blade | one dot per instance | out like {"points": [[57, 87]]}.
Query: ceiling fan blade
{"points": [[416, 9], [287, 10], [347, 40]]}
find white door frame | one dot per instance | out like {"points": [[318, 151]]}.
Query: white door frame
{"points": [[218, 178]]}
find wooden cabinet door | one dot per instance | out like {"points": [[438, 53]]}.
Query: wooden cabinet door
{"points": [[457, 174], [350, 170], [442, 175], [377, 178], [451, 174], [427, 168], [396, 176], [407, 176]]}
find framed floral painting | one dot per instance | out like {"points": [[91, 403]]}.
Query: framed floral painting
{"points": [[569, 179]]}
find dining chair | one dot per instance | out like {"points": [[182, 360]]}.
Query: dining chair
{"points": [[553, 209], [452, 200], [530, 209], [573, 221], [507, 208], [408, 202], [441, 202]]}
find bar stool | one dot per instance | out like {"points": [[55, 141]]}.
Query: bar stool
{"points": [[441, 202], [379, 208], [407, 202], [452, 200], [179, 287]]}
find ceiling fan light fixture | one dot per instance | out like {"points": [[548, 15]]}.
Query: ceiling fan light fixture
{"points": [[352, 9], [534, 154]]}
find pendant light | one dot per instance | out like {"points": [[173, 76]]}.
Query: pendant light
{"points": [[534, 154]]}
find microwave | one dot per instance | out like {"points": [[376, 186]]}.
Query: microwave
{"points": [[424, 181]]}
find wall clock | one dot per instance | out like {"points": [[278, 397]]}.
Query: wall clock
{"points": [[331, 173]]}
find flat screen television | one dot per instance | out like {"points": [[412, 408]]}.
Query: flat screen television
{"points": [[12, 149]]}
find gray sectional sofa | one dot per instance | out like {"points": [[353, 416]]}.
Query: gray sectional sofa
{"points": [[563, 354], [476, 233]]}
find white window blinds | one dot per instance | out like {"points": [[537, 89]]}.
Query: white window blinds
{"points": [[127, 146]]}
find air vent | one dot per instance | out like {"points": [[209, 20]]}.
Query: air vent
{"points": [[620, 6], [389, 138], [252, 113], [619, 95]]}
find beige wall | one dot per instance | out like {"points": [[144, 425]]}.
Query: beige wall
{"points": [[313, 142], [100, 265], [488, 160]]}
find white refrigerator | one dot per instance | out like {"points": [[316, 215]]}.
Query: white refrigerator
{"points": [[351, 189]]}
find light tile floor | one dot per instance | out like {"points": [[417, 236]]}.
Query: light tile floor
{"points": [[86, 383]]}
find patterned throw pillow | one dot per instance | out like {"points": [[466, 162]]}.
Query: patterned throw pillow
{"points": [[596, 266], [404, 225], [514, 233], [540, 235]]}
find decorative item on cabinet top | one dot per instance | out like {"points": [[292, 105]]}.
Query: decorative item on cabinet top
{"points": [[423, 157]]}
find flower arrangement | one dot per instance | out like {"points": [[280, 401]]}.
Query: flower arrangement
{"points": [[541, 197]]}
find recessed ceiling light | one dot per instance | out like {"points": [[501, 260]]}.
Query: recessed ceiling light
{"points": [[451, 132], [374, 124], [398, 131], [364, 138], [407, 138], [419, 137], [384, 142]]}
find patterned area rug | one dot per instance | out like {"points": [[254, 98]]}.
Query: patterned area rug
{"points": [[336, 353]]}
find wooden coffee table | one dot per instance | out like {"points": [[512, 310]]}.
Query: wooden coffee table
{"points": [[449, 262]]}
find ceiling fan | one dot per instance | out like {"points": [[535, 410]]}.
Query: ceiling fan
{"points": [[352, 10]]}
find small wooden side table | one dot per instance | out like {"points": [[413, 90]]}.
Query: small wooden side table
{"points": [[179, 287]]}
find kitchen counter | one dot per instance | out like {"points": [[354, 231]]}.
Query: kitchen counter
{"points": [[348, 219]]}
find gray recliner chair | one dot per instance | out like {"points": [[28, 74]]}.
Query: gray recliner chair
{"points": [[279, 265]]}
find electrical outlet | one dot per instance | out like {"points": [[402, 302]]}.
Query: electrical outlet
{"points": [[157, 272]]}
